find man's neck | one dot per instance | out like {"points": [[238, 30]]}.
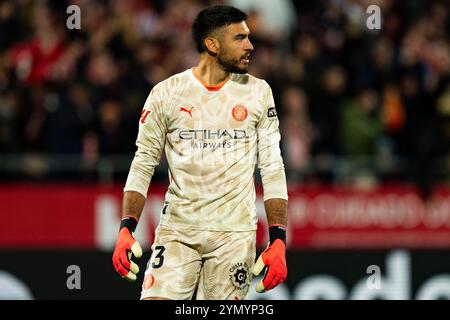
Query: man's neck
{"points": [[210, 72]]}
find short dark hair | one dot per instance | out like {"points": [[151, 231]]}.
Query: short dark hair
{"points": [[211, 18]]}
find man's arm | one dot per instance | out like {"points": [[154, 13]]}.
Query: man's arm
{"points": [[150, 143], [276, 211], [273, 259], [270, 163], [132, 204]]}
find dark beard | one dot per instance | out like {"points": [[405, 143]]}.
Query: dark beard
{"points": [[231, 65]]}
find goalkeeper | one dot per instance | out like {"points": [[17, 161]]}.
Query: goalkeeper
{"points": [[215, 123]]}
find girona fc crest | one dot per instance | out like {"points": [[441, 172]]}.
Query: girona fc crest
{"points": [[239, 112], [149, 280]]}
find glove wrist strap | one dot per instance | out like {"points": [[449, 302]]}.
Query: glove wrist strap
{"points": [[277, 231], [128, 222]]}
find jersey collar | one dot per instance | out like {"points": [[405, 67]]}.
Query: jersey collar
{"points": [[206, 86]]}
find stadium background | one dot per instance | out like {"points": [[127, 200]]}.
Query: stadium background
{"points": [[364, 115]]}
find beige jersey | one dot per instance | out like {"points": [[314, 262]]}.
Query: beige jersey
{"points": [[213, 139]]}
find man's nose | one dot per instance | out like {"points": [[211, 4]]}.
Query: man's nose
{"points": [[248, 45]]}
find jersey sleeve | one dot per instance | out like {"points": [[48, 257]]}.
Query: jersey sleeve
{"points": [[150, 143], [269, 158]]}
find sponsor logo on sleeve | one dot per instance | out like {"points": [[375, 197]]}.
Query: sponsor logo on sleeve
{"points": [[271, 113], [144, 115]]}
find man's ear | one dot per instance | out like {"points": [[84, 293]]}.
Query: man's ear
{"points": [[212, 45]]}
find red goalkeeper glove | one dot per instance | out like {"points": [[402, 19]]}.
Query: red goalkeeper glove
{"points": [[126, 246], [273, 260]]}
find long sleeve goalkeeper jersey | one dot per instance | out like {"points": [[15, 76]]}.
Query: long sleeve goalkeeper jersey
{"points": [[213, 139]]}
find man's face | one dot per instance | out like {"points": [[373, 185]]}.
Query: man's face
{"points": [[235, 48]]}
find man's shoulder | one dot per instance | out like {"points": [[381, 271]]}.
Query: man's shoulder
{"points": [[248, 79], [174, 81]]}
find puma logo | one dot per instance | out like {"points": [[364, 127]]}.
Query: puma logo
{"points": [[186, 110]]}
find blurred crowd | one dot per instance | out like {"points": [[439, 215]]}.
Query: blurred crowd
{"points": [[356, 106]]}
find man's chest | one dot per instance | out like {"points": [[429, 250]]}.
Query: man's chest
{"points": [[215, 112]]}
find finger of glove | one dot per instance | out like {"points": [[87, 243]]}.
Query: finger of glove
{"points": [[119, 257], [130, 276], [259, 266], [133, 266], [128, 273], [120, 269], [268, 279], [260, 287], [136, 249], [124, 260], [275, 281]]}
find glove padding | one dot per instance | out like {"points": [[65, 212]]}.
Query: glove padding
{"points": [[126, 247], [273, 259]]}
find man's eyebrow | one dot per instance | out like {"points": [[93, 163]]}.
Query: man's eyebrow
{"points": [[241, 35]]}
